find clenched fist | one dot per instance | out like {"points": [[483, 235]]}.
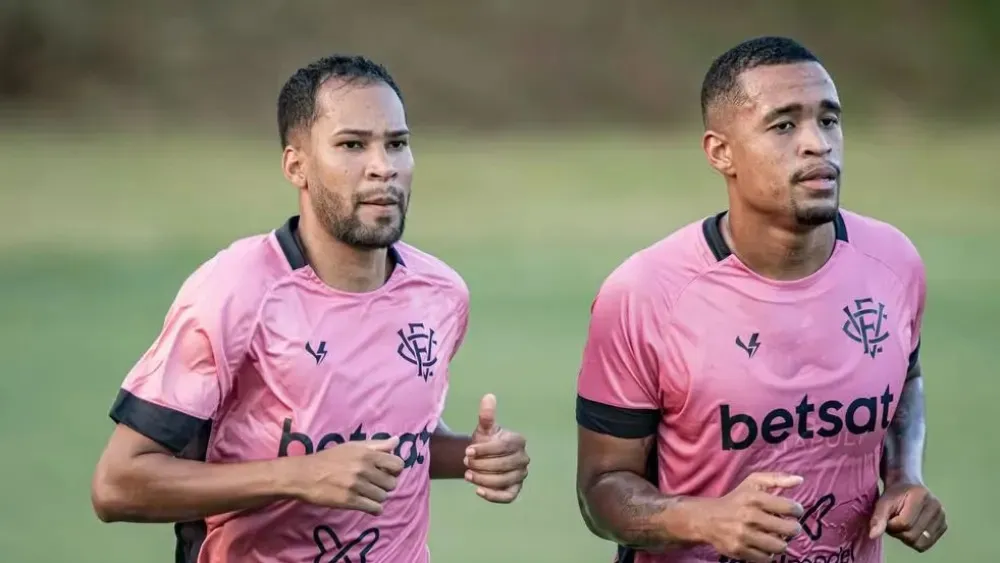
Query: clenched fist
{"points": [[911, 514], [750, 523], [350, 476]]}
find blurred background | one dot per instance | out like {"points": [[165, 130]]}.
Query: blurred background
{"points": [[553, 139]]}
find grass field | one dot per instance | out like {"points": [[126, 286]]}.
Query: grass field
{"points": [[96, 234]]}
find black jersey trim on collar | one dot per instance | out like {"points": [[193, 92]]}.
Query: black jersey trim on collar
{"points": [[289, 243], [712, 229], [291, 246]]}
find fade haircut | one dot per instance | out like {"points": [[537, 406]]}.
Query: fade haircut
{"points": [[297, 100], [721, 82]]}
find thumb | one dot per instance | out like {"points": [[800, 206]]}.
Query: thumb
{"points": [[386, 446], [767, 481], [884, 510], [487, 413]]}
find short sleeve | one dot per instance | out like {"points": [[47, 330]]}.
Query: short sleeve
{"points": [[175, 389], [617, 387], [918, 296]]}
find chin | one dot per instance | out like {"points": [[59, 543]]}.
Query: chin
{"points": [[373, 237], [816, 215]]}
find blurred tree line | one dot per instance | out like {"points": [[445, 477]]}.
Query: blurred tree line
{"points": [[482, 64]]}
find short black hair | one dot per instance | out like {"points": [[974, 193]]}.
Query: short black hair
{"points": [[297, 100], [722, 79]]}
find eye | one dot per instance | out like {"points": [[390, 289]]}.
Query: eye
{"points": [[399, 144], [783, 127], [829, 122], [351, 145]]}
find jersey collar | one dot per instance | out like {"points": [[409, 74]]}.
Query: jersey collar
{"points": [[291, 246], [712, 229]]}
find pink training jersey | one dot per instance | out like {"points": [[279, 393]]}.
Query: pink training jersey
{"points": [[735, 374], [259, 359]]}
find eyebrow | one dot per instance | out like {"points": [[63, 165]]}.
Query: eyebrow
{"points": [[825, 105], [367, 134]]}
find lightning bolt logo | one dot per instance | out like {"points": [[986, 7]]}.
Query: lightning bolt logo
{"points": [[751, 346], [319, 353]]}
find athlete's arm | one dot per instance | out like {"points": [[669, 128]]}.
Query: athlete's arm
{"points": [[618, 411], [139, 480], [906, 509], [902, 460], [617, 502], [623, 386], [164, 413], [448, 452], [902, 457]]}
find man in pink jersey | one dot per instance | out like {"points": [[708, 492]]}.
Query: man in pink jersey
{"points": [[326, 337], [749, 380]]}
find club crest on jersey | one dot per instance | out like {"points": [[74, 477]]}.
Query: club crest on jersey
{"points": [[418, 346], [864, 325]]}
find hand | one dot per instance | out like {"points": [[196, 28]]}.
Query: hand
{"points": [[911, 514], [496, 461], [350, 476], [750, 523]]}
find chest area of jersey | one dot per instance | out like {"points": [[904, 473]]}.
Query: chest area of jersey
{"points": [[856, 331], [824, 367], [359, 363]]}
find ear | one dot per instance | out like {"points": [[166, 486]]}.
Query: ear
{"points": [[718, 151], [293, 165]]}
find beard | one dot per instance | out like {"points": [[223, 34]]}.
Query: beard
{"points": [[809, 211], [815, 215], [815, 212], [343, 221]]}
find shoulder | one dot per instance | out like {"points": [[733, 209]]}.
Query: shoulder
{"points": [[433, 270], [229, 287], [661, 271], [884, 243]]}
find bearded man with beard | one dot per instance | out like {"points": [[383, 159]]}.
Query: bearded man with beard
{"points": [[290, 409]]}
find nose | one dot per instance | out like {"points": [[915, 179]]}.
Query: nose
{"points": [[815, 141], [380, 165]]}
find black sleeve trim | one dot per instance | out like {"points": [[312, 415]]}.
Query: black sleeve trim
{"points": [[616, 421], [171, 429], [913, 368]]}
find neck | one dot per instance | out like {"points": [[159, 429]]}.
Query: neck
{"points": [[341, 266], [777, 252]]}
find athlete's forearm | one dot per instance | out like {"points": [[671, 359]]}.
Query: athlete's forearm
{"points": [[448, 453], [904, 444], [159, 488], [629, 510]]}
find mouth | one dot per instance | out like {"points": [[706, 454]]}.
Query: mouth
{"points": [[381, 202], [822, 177]]}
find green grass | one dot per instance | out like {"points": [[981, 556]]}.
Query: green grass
{"points": [[97, 234]]}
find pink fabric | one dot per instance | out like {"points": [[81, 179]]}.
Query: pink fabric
{"points": [[813, 399], [285, 365]]}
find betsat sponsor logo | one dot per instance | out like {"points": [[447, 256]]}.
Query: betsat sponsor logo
{"points": [[412, 447], [859, 417]]}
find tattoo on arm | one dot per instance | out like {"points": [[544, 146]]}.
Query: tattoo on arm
{"points": [[629, 510], [618, 503], [904, 445], [638, 505]]}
